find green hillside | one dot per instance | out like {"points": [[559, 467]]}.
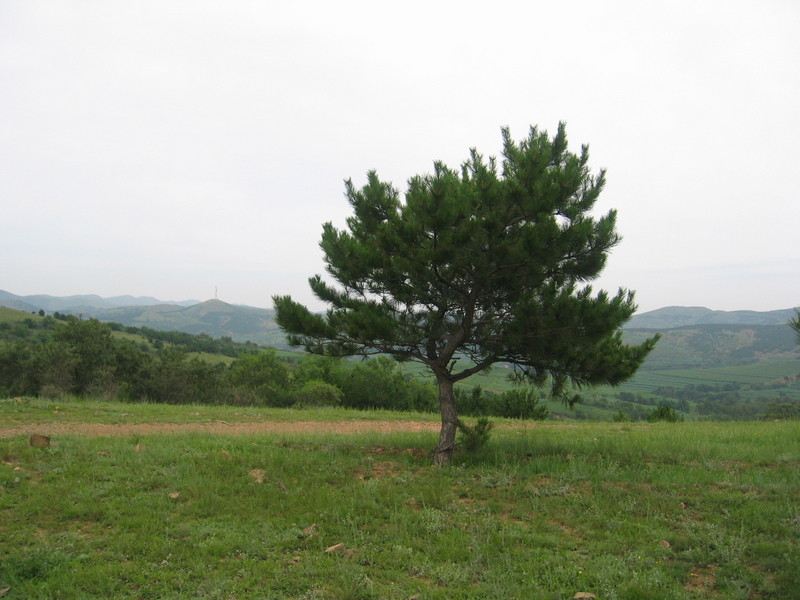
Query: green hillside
{"points": [[13, 316], [213, 317], [692, 337], [717, 345], [738, 392], [709, 371]]}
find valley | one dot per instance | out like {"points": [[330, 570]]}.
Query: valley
{"points": [[707, 365]]}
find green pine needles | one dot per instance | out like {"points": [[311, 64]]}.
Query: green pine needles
{"points": [[475, 437], [484, 264]]}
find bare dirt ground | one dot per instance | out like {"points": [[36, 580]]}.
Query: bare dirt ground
{"points": [[217, 427]]}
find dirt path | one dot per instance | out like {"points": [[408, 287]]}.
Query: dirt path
{"points": [[217, 427]]}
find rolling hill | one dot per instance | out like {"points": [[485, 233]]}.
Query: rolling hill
{"points": [[721, 371], [717, 345], [79, 304], [699, 337], [691, 336], [213, 317], [683, 316]]}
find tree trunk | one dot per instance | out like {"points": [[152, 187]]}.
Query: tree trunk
{"points": [[447, 434]]}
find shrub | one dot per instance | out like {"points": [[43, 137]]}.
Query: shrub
{"points": [[519, 403], [522, 403], [621, 417], [664, 413], [781, 409], [318, 393], [378, 383], [475, 437], [260, 379]]}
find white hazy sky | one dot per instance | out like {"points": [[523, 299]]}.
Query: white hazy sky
{"points": [[168, 148]]}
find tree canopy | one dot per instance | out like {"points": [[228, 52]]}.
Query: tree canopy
{"points": [[473, 267]]}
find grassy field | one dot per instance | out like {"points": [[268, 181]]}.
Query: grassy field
{"points": [[496, 380], [622, 511], [757, 381], [754, 374], [22, 411]]}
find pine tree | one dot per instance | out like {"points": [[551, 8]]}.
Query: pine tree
{"points": [[476, 267]]}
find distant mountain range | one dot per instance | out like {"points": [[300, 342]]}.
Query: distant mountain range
{"points": [[213, 317], [691, 335], [694, 336], [683, 316], [79, 304]]}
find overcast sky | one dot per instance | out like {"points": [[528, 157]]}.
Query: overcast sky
{"points": [[174, 148]]}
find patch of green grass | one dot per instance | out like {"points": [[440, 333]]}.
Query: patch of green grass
{"points": [[10, 315], [684, 511], [16, 411]]}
